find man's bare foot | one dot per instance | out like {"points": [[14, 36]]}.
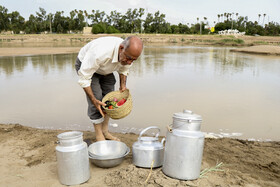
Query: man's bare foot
{"points": [[99, 137], [109, 136]]}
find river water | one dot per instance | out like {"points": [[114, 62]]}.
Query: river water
{"points": [[237, 95]]}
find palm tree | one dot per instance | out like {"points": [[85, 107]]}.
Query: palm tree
{"points": [[219, 18], [50, 19], [263, 18], [205, 18], [259, 18], [197, 19], [232, 14], [222, 15], [86, 15]]}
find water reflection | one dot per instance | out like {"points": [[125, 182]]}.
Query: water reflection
{"points": [[154, 59], [53, 62], [44, 63], [9, 65], [42, 44]]}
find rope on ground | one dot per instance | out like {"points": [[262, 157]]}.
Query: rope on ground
{"points": [[150, 171]]}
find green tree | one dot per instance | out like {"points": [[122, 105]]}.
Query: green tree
{"points": [[183, 29], [175, 29], [16, 22], [97, 16], [133, 18], [148, 23], [31, 25], [60, 23], [80, 21], [114, 19], [272, 29], [72, 22], [41, 20], [158, 23], [4, 19]]}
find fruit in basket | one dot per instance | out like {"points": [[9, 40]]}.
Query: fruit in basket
{"points": [[111, 104], [121, 102], [114, 103]]}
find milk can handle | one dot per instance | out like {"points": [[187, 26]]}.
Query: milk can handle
{"points": [[162, 141], [148, 128]]}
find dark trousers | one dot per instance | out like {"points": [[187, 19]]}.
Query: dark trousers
{"points": [[100, 85]]}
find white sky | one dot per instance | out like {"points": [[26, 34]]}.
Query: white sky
{"points": [[176, 11]]}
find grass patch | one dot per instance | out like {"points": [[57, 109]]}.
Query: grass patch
{"points": [[230, 36], [207, 170], [173, 40], [238, 41], [260, 42]]}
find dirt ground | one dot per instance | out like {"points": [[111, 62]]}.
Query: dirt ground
{"points": [[259, 49], [28, 158]]}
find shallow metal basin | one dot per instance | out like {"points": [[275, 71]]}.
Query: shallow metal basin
{"points": [[108, 162], [108, 149]]}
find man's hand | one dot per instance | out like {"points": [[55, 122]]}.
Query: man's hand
{"points": [[122, 88], [98, 105], [94, 101], [122, 82]]}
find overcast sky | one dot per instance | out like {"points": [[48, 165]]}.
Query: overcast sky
{"points": [[176, 11]]}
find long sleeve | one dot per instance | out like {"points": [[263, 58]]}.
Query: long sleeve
{"points": [[124, 70], [88, 68]]}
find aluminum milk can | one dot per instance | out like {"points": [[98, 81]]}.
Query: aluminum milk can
{"points": [[186, 120], [148, 150], [72, 158], [184, 147]]}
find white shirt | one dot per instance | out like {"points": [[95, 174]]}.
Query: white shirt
{"points": [[100, 56]]}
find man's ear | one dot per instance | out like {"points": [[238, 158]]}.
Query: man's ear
{"points": [[121, 46]]}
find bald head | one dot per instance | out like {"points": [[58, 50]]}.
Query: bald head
{"points": [[130, 49], [134, 45]]}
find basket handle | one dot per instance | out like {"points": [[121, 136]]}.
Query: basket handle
{"points": [[148, 128]]}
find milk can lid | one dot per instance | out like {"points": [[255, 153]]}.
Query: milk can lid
{"points": [[187, 115]]}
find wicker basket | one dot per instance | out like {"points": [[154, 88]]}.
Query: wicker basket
{"points": [[121, 111]]}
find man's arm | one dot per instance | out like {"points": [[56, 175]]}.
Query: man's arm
{"points": [[122, 82], [96, 102]]}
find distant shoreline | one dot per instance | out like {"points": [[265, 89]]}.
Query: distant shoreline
{"points": [[40, 44]]}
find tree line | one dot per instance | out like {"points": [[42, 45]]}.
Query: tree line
{"points": [[132, 21]]}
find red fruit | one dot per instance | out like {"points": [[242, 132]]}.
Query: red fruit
{"points": [[110, 107], [121, 102]]}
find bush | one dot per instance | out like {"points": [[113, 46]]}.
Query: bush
{"points": [[98, 28], [111, 29]]}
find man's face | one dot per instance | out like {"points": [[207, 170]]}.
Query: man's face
{"points": [[126, 57]]}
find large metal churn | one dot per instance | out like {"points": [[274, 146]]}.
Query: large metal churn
{"points": [[184, 147], [72, 158]]}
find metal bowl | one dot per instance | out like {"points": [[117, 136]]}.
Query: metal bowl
{"points": [[108, 162], [108, 149]]}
